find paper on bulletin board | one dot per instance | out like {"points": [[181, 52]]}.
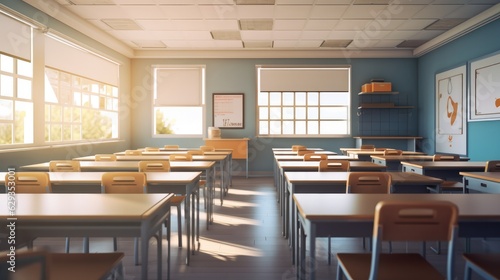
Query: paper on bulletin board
{"points": [[228, 110]]}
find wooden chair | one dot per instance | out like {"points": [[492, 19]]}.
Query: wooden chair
{"points": [[367, 147], [164, 166], [64, 166], [125, 182], [171, 147], [389, 152], [38, 265], [404, 221], [333, 165], [133, 152], [492, 166], [151, 149], [485, 265], [28, 182], [366, 182], [188, 157], [207, 148], [315, 157], [105, 157], [298, 147], [449, 186]]}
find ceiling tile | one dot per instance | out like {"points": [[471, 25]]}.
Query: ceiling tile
{"points": [[352, 24], [436, 11], [416, 24], [257, 11], [292, 24], [252, 35], [181, 12], [292, 12], [320, 24], [328, 11]]}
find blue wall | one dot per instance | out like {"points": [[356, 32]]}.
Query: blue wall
{"points": [[239, 76], [483, 137]]}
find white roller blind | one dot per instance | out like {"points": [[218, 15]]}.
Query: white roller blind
{"points": [[15, 37], [304, 79], [178, 86], [69, 58]]}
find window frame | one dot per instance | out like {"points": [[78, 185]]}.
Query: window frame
{"points": [[346, 95], [201, 106]]}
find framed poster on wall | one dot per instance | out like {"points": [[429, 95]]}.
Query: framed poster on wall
{"points": [[485, 89], [228, 110], [451, 126]]}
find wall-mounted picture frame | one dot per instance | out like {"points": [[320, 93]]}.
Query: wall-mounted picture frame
{"points": [[228, 110], [451, 111], [485, 88]]}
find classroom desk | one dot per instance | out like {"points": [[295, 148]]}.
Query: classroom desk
{"points": [[92, 215], [486, 182], [366, 154], [351, 215], [208, 167], [301, 158], [313, 166], [447, 170], [393, 163], [223, 160], [290, 152], [335, 182]]}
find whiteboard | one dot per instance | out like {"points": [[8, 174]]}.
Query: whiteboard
{"points": [[228, 110]]}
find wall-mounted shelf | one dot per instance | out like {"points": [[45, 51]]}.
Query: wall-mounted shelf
{"points": [[378, 93]]}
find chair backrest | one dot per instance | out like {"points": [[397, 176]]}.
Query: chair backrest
{"points": [[315, 157], [180, 157], [298, 147], [123, 182], [196, 152], [29, 264], [333, 165], [492, 166], [207, 148], [133, 152], [368, 182], [367, 147], [28, 182], [105, 157], [152, 149], [389, 152], [438, 157], [415, 221], [380, 149], [154, 166], [64, 166], [171, 147]]}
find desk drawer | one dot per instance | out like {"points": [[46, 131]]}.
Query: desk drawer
{"points": [[482, 185]]}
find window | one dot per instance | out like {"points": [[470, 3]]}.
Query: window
{"points": [[16, 102], [303, 102], [179, 101], [81, 93], [77, 108]]}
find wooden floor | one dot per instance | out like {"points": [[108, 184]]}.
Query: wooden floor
{"points": [[243, 243]]}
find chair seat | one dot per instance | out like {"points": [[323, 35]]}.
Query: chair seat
{"points": [[452, 186], [177, 199], [392, 266], [82, 266], [488, 263]]}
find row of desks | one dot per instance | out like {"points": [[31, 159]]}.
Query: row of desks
{"points": [[317, 200]]}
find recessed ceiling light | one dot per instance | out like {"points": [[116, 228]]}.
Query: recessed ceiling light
{"points": [[254, 2], [226, 34], [445, 24], [149, 44], [257, 44], [256, 24], [410, 43], [121, 24], [335, 43]]}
